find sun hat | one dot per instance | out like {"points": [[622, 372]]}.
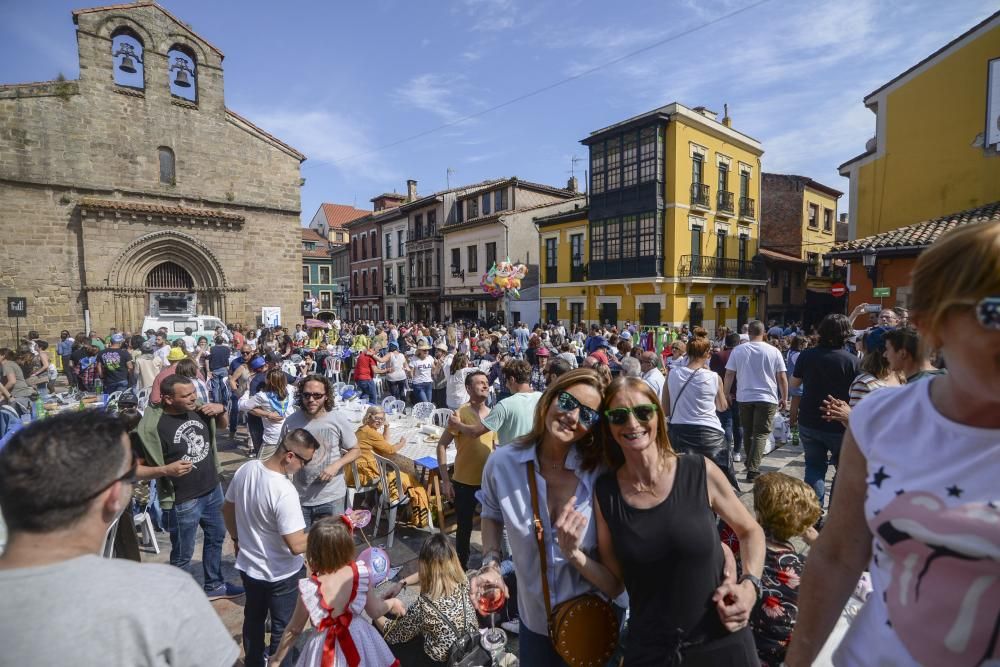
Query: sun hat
{"points": [[542, 351], [423, 346], [442, 347], [257, 363], [176, 354]]}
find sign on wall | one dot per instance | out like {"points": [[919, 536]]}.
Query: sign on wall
{"points": [[17, 306], [270, 316], [993, 104]]}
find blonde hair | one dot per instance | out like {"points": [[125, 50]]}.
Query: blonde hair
{"points": [[372, 411], [958, 270], [587, 448], [613, 456], [439, 568], [785, 506]]}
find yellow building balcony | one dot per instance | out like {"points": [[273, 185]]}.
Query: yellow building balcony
{"points": [[705, 268]]}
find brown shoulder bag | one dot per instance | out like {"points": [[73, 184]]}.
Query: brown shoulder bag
{"points": [[584, 629]]}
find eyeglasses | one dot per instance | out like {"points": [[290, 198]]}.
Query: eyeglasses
{"points": [[643, 413], [310, 396], [129, 478], [305, 461], [567, 403]]}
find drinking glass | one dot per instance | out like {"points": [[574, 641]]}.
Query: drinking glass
{"points": [[491, 599]]}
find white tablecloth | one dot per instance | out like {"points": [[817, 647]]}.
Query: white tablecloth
{"points": [[417, 445]]}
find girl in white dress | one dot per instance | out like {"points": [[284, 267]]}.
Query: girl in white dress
{"points": [[333, 599]]}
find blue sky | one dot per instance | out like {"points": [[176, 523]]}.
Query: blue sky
{"points": [[342, 80]]}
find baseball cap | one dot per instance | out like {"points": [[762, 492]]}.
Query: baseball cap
{"points": [[117, 338], [176, 354], [257, 363], [393, 346]]}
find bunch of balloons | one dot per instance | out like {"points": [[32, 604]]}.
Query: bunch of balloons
{"points": [[504, 278]]}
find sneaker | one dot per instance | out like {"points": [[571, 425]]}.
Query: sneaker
{"points": [[225, 592], [737, 457], [751, 476], [513, 626]]}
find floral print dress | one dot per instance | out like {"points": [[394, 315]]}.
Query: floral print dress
{"points": [[773, 619]]}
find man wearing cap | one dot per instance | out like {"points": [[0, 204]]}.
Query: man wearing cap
{"points": [[147, 366], [174, 355], [423, 366], [114, 365]]}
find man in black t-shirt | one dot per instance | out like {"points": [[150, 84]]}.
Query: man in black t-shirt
{"points": [[178, 448], [823, 371], [114, 365]]}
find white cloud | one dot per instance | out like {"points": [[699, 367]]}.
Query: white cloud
{"points": [[491, 15], [471, 56], [436, 94], [328, 137]]}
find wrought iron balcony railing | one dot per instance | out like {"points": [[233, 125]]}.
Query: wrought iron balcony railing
{"points": [[746, 207], [724, 202], [706, 266], [700, 195]]}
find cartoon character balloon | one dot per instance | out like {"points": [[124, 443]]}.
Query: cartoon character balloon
{"points": [[377, 561], [504, 278]]}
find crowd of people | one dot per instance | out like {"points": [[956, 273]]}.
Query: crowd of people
{"points": [[601, 462]]}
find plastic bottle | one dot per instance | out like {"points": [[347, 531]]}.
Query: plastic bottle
{"points": [[38, 408], [98, 386]]}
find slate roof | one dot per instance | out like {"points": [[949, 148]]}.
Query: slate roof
{"points": [[919, 235]]}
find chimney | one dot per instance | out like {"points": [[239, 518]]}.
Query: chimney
{"points": [[411, 190], [843, 218], [572, 184], [726, 120]]}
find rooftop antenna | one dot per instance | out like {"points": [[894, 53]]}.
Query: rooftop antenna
{"points": [[447, 176], [572, 165]]}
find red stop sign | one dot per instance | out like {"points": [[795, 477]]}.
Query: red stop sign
{"points": [[838, 289]]}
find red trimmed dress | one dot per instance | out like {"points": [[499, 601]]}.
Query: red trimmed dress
{"points": [[346, 640]]}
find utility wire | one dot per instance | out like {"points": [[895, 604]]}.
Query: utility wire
{"points": [[556, 84]]}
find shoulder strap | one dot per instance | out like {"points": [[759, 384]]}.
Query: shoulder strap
{"points": [[539, 537], [681, 392], [447, 620]]}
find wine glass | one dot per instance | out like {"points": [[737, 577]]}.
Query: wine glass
{"points": [[491, 599]]}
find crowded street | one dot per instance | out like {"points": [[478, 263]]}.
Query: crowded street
{"points": [[478, 338]]}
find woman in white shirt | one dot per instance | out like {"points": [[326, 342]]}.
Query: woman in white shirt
{"points": [[273, 404], [396, 370], [455, 393], [692, 396]]}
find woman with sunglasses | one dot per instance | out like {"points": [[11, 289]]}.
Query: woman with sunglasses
{"points": [[656, 534], [916, 500], [561, 450]]}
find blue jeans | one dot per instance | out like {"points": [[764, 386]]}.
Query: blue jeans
{"points": [[423, 392], [730, 420], [313, 513], [536, 650], [822, 449], [367, 388], [116, 386], [278, 598], [219, 386], [234, 413], [182, 523]]}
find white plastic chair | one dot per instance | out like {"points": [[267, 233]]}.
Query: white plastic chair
{"points": [[143, 396], [423, 411], [358, 487], [390, 471], [338, 387], [379, 387], [440, 417], [398, 407], [388, 404], [144, 522], [113, 397], [333, 365], [108, 550]]}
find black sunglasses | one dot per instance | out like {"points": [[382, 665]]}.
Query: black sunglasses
{"points": [[567, 402], [643, 413], [313, 396], [305, 461]]}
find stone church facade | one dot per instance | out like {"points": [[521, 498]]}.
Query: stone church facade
{"points": [[113, 193]]}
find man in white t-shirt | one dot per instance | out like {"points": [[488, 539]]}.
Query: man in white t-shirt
{"points": [[761, 390], [60, 602], [265, 520], [649, 362]]}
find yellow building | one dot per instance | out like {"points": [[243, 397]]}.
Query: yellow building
{"points": [[670, 232], [929, 156]]}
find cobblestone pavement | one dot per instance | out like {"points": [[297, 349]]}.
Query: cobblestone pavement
{"points": [[788, 459]]}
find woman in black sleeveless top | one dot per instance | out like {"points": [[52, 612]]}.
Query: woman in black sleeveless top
{"points": [[656, 533]]}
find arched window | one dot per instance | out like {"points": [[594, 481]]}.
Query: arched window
{"points": [[127, 66], [168, 171], [182, 74]]}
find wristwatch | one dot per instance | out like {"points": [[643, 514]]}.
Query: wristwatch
{"points": [[753, 580]]}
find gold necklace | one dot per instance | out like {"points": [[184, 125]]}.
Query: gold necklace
{"points": [[651, 487]]}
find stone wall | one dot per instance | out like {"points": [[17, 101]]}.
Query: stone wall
{"points": [[63, 141]]}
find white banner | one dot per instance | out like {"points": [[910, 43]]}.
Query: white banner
{"points": [[993, 105], [270, 316]]}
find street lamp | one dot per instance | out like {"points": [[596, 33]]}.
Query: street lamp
{"points": [[868, 259], [456, 272], [827, 262]]}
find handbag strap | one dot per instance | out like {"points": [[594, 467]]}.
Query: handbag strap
{"points": [[681, 392], [540, 538], [447, 621]]}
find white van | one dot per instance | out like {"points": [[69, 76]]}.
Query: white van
{"points": [[201, 325]]}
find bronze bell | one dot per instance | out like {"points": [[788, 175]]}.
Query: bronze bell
{"points": [[182, 79], [128, 65]]}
